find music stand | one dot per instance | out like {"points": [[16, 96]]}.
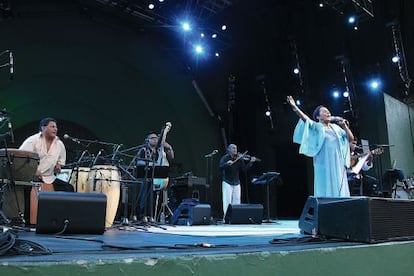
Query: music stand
{"points": [[266, 179], [154, 172]]}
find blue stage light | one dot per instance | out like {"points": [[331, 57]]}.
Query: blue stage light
{"points": [[186, 26], [198, 49], [298, 102], [345, 94], [374, 84], [335, 93], [351, 19]]}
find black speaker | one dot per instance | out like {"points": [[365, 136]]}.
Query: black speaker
{"points": [[76, 213], [363, 219], [191, 213], [244, 214]]}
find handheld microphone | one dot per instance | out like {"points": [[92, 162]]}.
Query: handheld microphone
{"points": [[76, 140], [335, 119]]}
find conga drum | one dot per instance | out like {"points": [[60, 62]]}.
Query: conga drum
{"points": [[106, 179], [79, 179], [23, 164]]}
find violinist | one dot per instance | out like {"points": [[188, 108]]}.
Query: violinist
{"points": [[148, 155], [231, 164]]}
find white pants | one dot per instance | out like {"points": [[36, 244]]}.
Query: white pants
{"points": [[231, 195]]}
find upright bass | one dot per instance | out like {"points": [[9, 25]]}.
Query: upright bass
{"points": [[162, 183]]}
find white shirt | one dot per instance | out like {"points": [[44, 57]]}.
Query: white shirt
{"points": [[48, 159]]}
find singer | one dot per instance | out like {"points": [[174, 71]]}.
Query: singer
{"points": [[230, 164], [52, 154], [328, 144]]}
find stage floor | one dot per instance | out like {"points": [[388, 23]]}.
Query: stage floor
{"points": [[137, 241]]}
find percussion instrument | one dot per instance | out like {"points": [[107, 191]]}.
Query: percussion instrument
{"points": [[106, 180], [23, 164]]}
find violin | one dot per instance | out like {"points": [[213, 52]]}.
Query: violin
{"points": [[244, 156]]}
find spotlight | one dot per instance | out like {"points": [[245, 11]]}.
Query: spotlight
{"points": [[351, 19], [214, 36], [335, 93], [298, 102], [374, 84], [268, 113], [202, 35], [321, 5], [186, 26], [223, 27], [151, 6], [198, 49], [296, 71], [161, 1], [345, 94], [395, 59], [217, 54]]}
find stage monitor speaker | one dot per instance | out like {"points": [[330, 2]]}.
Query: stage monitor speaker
{"points": [[71, 213], [244, 214], [192, 214], [363, 219]]}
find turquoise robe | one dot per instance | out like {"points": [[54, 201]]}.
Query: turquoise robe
{"points": [[331, 156]]}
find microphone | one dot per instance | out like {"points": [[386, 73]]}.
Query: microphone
{"points": [[214, 152], [82, 155], [11, 64], [335, 119], [97, 156], [11, 132], [76, 140]]}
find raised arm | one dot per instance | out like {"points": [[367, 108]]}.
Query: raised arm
{"points": [[296, 109]]}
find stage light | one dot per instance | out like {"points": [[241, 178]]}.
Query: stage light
{"points": [[351, 19], [296, 71], [321, 5], [202, 35], [214, 36], [151, 6], [335, 93], [217, 54], [223, 27], [298, 102], [374, 84], [161, 1], [395, 59], [186, 26], [345, 94], [268, 113], [198, 49]]}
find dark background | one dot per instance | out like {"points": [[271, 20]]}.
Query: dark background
{"points": [[107, 73]]}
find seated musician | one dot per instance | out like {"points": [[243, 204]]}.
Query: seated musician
{"points": [[361, 183], [147, 156], [52, 154]]}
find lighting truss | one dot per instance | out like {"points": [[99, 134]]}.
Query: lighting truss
{"points": [[362, 8]]}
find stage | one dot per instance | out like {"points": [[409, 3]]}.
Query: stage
{"points": [[268, 249]]}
